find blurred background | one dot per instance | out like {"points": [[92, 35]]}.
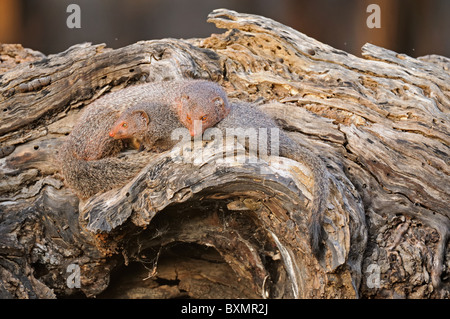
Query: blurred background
{"points": [[414, 27]]}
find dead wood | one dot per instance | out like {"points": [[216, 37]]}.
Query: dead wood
{"points": [[195, 226]]}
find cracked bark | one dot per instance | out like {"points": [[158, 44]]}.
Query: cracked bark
{"points": [[379, 122]]}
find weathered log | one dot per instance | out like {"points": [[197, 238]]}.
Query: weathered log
{"points": [[195, 225]]}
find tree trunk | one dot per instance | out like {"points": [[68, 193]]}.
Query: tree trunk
{"points": [[206, 229]]}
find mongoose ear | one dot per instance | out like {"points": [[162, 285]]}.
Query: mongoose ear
{"points": [[143, 115], [179, 102], [219, 103]]}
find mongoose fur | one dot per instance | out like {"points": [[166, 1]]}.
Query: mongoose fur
{"points": [[213, 99], [152, 123], [88, 157]]}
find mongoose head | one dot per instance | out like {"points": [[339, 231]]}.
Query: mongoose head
{"points": [[131, 123], [202, 102]]}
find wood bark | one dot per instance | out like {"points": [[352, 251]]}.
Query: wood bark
{"points": [[196, 226]]}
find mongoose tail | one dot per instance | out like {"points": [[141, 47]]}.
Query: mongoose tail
{"points": [[320, 192]]}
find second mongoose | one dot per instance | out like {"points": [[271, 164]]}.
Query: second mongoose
{"points": [[89, 156], [243, 115], [151, 124]]}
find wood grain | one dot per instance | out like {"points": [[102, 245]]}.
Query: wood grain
{"points": [[380, 123]]}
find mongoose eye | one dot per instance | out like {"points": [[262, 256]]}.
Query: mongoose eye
{"points": [[188, 118], [124, 125], [203, 118]]}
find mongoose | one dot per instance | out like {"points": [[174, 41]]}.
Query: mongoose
{"points": [[90, 140], [88, 157], [152, 123], [209, 94], [242, 115]]}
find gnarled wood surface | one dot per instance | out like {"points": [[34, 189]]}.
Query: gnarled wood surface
{"points": [[195, 226]]}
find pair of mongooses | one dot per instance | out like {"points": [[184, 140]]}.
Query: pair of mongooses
{"points": [[149, 113]]}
